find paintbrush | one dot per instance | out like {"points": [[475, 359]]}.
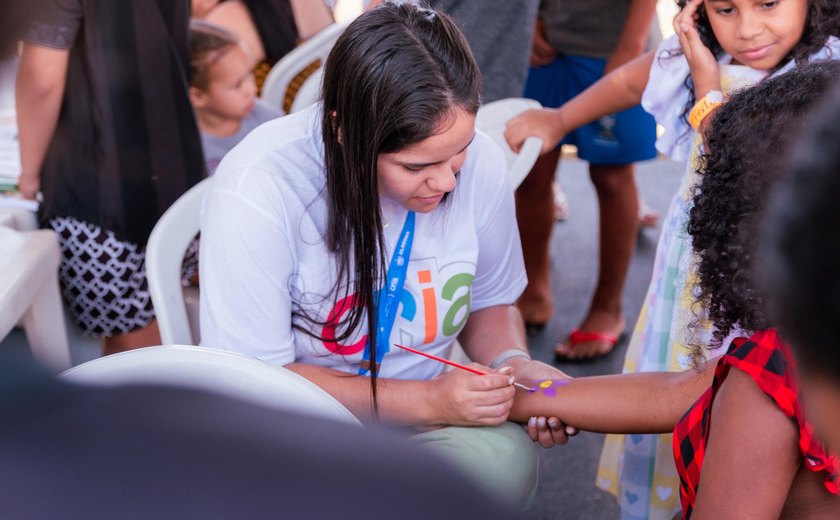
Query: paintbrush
{"points": [[458, 365]]}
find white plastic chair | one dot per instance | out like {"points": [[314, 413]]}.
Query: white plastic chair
{"points": [[213, 370], [292, 70], [492, 119], [164, 255], [309, 92]]}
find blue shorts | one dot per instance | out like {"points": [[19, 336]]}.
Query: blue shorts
{"points": [[621, 138]]}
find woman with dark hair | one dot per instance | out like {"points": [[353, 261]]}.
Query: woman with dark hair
{"points": [[268, 28], [380, 217], [800, 264]]}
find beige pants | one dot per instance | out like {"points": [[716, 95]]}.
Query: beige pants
{"points": [[501, 459]]}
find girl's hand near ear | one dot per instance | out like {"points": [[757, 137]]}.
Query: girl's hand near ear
{"points": [[705, 71]]}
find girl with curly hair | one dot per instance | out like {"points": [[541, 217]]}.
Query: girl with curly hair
{"points": [[720, 46], [744, 448]]}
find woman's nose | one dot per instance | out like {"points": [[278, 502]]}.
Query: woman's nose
{"points": [[443, 180]]}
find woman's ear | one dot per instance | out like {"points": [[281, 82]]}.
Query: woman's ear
{"points": [[197, 97]]}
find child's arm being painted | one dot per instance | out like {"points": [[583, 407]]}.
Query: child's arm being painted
{"points": [[650, 402], [619, 90]]}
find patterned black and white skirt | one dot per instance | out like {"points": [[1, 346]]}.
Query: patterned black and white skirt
{"points": [[103, 278]]}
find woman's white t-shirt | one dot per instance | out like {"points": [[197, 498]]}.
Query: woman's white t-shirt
{"points": [[264, 260]]}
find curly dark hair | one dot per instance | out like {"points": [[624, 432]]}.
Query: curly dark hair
{"points": [[742, 159], [800, 255], [822, 22]]}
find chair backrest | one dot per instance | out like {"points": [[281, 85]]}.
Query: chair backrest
{"points": [[492, 119], [292, 70], [213, 370], [165, 250], [309, 92]]}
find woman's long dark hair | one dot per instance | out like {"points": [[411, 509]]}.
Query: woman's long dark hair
{"points": [[822, 22], [391, 80], [745, 145]]}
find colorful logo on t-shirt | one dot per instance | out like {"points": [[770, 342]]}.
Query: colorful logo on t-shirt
{"points": [[434, 302]]}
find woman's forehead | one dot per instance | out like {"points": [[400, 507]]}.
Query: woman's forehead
{"points": [[452, 135]]}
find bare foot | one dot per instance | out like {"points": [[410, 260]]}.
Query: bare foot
{"points": [[648, 217], [561, 202], [536, 311], [595, 337]]}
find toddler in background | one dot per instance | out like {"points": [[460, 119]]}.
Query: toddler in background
{"points": [[222, 91]]}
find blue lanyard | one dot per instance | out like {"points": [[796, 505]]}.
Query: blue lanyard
{"points": [[388, 297]]}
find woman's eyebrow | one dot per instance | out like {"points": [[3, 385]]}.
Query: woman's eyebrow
{"points": [[423, 165]]}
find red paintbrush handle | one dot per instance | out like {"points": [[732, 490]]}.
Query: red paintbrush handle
{"points": [[442, 360], [459, 365]]}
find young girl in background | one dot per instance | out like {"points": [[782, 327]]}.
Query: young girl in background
{"points": [[744, 449], [222, 91], [719, 47]]}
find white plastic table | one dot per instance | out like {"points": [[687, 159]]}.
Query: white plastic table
{"points": [[29, 292]]}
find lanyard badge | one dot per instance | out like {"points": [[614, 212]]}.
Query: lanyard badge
{"points": [[388, 297]]}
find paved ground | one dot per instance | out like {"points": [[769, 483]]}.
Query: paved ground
{"points": [[567, 474]]}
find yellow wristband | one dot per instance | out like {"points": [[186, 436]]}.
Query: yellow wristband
{"points": [[704, 107]]}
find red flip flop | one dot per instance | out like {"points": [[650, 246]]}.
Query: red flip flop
{"points": [[578, 336]]}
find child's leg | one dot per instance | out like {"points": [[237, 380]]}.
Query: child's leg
{"points": [[611, 145], [144, 337], [552, 85], [535, 215], [618, 207]]}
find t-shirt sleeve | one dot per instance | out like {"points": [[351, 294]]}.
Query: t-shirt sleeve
{"points": [[245, 263], [665, 98], [56, 25], [768, 361], [500, 271]]}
